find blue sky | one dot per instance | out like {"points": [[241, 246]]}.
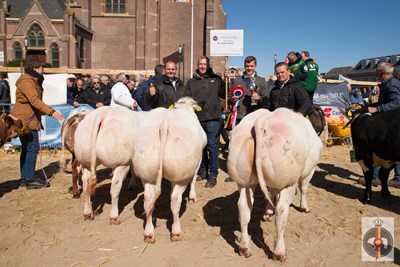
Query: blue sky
{"points": [[337, 33]]}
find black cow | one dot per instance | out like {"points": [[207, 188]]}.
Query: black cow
{"points": [[376, 140]]}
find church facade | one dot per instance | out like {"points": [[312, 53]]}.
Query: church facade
{"points": [[109, 34]]}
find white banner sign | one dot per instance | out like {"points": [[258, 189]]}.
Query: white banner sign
{"points": [[226, 42], [54, 86]]}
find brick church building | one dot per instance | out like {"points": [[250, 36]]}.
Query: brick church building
{"points": [[109, 34]]}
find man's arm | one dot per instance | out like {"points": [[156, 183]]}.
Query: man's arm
{"points": [[302, 99]]}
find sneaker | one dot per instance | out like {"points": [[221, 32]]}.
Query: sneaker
{"points": [[22, 182], [36, 184], [201, 176], [211, 182], [375, 182], [394, 183]]}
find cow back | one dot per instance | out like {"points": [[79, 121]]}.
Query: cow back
{"points": [[377, 134], [287, 148], [240, 160]]}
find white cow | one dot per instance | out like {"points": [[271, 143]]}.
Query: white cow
{"points": [[168, 143], [278, 150], [105, 137]]}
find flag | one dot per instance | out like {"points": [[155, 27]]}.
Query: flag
{"points": [[182, 1]]}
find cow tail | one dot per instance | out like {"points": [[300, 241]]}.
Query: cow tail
{"points": [[91, 187], [163, 130], [258, 129], [63, 162]]}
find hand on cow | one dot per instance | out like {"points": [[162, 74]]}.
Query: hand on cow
{"points": [[372, 109], [76, 104], [152, 89], [57, 115], [135, 105], [99, 104]]}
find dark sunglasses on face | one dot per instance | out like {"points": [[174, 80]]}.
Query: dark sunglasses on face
{"points": [[96, 82]]}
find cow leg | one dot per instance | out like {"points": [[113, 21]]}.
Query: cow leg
{"points": [[75, 176], [245, 206], [303, 186], [151, 193], [368, 175], [270, 210], [192, 193], [282, 213], [119, 175], [176, 201], [383, 177], [87, 208]]}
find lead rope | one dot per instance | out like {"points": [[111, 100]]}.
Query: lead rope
{"points": [[40, 152]]}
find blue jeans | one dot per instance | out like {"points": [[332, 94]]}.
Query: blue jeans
{"points": [[210, 159], [396, 171], [27, 160]]}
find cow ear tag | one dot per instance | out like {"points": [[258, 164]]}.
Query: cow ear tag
{"points": [[171, 106], [198, 108], [349, 113]]}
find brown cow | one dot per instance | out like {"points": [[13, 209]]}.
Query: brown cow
{"points": [[10, 128], [67, 137]]}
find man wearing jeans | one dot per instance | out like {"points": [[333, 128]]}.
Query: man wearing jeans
{"points": [[389, 99], [29, 108], [207, 87]]}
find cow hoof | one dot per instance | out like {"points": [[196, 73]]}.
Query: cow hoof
{"points": [[115, 221], [176, 237], [305, 210], [149, 239], [89, 217], [193, 200], [244, 252], [366, 200], [267, 217], [280, 258]]}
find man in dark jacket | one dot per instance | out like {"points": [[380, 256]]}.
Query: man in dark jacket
{"points": [[288, 92], [159, 71], [4, 95], [207, 87], [389, 99], [167, 90], [96, 95]]}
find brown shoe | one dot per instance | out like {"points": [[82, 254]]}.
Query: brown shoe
{"points": [[361, 181], [394, 183], [376, 182]]}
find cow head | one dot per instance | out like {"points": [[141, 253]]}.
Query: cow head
{"points": [[11, 128], [188, 102]]}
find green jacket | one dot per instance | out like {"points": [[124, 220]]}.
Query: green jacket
{"points": [[295, 67], [310, 83]]}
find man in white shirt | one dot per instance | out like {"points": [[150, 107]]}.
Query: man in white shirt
{"points": [[120, 95]]}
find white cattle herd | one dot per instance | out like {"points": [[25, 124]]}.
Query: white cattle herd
{"points": [[278, 150]]}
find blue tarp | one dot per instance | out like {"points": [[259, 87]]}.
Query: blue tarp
{"points": [[50, 137]]}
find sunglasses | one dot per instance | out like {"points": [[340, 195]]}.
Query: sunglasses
{"points": [[96, 82]]}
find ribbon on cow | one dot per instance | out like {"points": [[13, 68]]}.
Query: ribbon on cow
{"points": [[232, 122], [237, 92]]}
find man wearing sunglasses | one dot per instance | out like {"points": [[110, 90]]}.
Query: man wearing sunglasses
{"points": [[96, 95]]}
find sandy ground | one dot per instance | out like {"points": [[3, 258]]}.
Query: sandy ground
{"points": [[46, 227]]}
